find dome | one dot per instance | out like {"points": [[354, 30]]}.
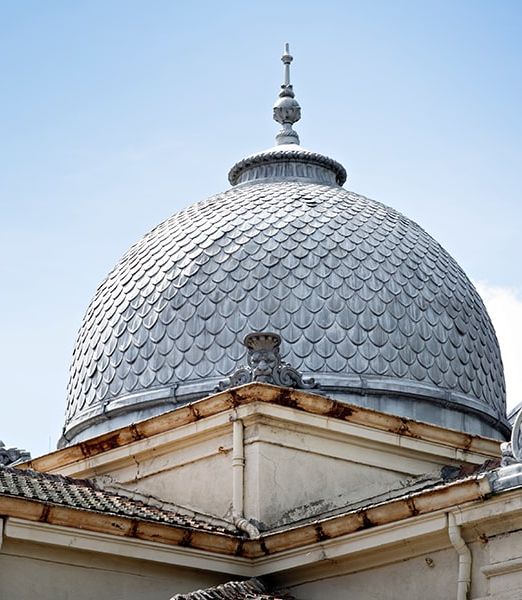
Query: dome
{"points": [[364, 300]]}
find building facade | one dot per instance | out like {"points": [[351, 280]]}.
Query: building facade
{"points": [[287, 390]]}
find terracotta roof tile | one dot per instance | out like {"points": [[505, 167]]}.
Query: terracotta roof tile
{"points": [[83, 494], [251, 589]]}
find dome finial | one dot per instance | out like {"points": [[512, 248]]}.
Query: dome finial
{"points": [[286, 109]]}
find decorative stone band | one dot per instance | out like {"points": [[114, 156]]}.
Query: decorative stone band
{"points": [[378, 393], [289, 164]]}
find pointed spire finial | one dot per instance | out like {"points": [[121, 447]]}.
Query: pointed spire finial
{"points": [[287, 58], [286, 109]]}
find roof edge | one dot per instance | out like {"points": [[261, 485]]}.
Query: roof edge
{"points": [[262, 392], [413, 505]]}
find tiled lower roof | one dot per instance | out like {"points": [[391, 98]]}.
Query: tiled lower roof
{"points": [[251, 589], [83, 494]]}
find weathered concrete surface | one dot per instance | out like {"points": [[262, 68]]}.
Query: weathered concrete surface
{"points": [[292, 484], [204, 485], [49, 573], [430, 577], [503, 569], [298, 464]]}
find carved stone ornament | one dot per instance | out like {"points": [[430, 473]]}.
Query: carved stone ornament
{"points": [[507, 457], [265, 365], [509, 476], [516, 438], [512, 451], [12, 456]]}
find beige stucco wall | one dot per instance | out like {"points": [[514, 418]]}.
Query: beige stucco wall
{"points": [[193, 472], [204, 485], [432, 579], [289, 474], [296, 465], [30, 570], [503, 566], [432, 575], [289, 484]]}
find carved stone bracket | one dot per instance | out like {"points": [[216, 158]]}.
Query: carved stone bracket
{"points": [[507, 457], [509, 475], [516, 438], [512, 450], [12, 456], [264, 364]]}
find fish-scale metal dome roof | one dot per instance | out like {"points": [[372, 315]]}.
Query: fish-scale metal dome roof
{"points": [[365, 301]]}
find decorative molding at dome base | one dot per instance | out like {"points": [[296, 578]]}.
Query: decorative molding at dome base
{"points": [[410, 399]]}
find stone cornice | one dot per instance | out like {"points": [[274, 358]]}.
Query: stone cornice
{"points": [[298, 400]]}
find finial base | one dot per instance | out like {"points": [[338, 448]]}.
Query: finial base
{"points": [[287, 136]]}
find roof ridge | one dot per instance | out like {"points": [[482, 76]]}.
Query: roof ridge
{"points": [[85, 481]]}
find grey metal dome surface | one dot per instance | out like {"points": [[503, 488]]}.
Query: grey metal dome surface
{"points": [[364, 299]]}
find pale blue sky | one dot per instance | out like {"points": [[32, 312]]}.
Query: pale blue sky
{"points": [[115, 114]]}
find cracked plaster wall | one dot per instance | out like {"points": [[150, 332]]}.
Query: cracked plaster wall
{"points": [[292, 471], [294, 484], [194, 473]]}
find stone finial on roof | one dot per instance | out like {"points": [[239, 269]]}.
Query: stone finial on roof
{"points": [[516, 438], [265, 365], [12, 456], [512, 450], [286, 109], [509, 475]]}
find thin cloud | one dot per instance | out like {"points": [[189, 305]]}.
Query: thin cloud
{"points": [[505, 309]]}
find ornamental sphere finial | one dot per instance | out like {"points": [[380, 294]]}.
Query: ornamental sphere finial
{"points": [[286, 109]]}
